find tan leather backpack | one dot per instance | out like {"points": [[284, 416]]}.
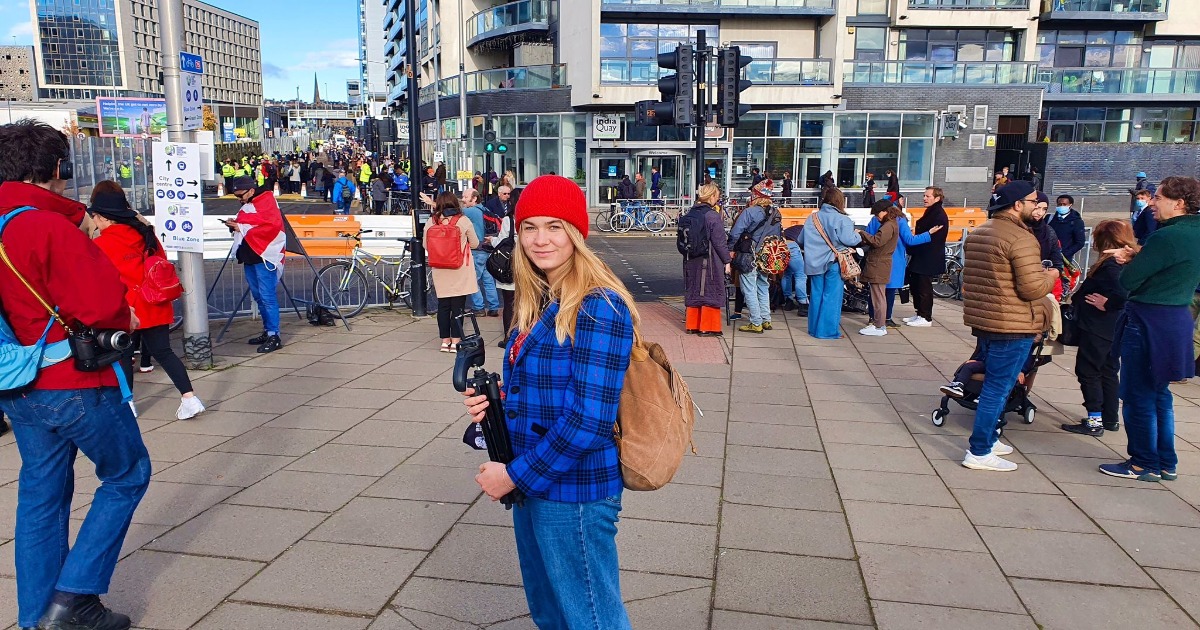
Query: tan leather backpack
{"points": [[654, 419]]}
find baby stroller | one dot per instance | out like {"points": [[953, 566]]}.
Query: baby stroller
{"points": [[856, 296], [1018, 399]]}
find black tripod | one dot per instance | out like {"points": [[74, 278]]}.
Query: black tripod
{"points": [[494, 426]]}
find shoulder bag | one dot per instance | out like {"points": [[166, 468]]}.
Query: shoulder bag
{"points": [[845, 257]]}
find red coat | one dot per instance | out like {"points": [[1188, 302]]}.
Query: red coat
{"points": [[127, 251], [66, 269]]}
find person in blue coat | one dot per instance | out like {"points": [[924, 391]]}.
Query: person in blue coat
{"points": [[340, 200], [899, 259], [827, 288]]}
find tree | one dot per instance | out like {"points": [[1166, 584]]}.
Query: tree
{"points": [[210, 119]]}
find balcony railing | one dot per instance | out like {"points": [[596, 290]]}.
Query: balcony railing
{"points": [[1105, 6], [523, 78], [722, 4], [1123, 81], [968, 4], [936, 72], [520, 15], [789, 72]]}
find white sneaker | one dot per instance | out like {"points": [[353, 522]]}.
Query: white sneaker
{"points": [[872, 331], [914, 318], [189, 408], [991, 461], [146, 369], [1001, 449], [918, 322]]}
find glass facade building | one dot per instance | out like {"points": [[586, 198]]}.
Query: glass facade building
{"points": [[79, 42]]}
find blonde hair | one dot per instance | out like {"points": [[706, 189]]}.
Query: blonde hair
{"points": [[708, 193], [585, 274]]}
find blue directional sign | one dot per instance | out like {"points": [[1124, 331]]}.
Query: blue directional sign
{"points": [[191, 63]]}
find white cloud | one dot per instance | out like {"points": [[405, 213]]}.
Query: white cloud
{"points": [[23, 31], [342, 53]]}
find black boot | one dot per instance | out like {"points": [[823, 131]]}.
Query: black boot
{"points": [[84, 612], [259, 340], [802, 309], [3, 426], [1087, 426], [272, 344], [1112, 426], [789, 305]]}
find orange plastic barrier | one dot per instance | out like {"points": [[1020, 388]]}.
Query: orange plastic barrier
{"points": [[795, 216], [319, 233]]}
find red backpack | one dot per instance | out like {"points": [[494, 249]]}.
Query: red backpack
{"points": [[160, 285], [444, 246]]}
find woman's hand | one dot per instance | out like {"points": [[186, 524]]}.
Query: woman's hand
{"points": [[1122, 254], [935, 229], [493, 479], [476, 405], [1096, 300], [728, 270]]}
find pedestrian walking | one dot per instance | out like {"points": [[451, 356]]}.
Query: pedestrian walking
{"points": [[1140, 183], [453, 286], [826, 287], [786, 187], [258, 242], [343, 193], [928, 260], [564, 370], [893, 183], [506, 290], [379, 192], [1068, 226], [1155, 332], [639, 186], [704, 276], [868, 194], [878, 269], [1143, 220], [1098, 305], [1004, 290], [758, 221], [128, 241], [485, 300]]}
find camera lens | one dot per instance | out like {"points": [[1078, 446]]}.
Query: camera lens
{"points": [[113, 339]]}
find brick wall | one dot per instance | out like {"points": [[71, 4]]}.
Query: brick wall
{"points": [[1091, 164], [1006, 101]]}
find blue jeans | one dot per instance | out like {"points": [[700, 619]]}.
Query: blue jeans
{"points": [[891, 301], [757, 291], [568, 555], [794, 281], [1002, 363], [262, 282], [1149, 410], [342, 206], [825, 303], [50, 427], [487, 284]]}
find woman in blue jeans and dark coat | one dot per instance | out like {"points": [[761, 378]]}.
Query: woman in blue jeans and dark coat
{"points": [[826, 287], [1161, 280], [564, 368]]}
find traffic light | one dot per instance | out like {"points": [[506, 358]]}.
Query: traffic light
{"points": [[677, 92], [730, 85], [491, 145]]}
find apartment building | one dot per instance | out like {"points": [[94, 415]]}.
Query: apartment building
{"points": [[848, 86], [91, 48], [371, 75], [18, 79]]}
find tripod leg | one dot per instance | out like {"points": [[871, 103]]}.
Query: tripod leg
{"points": [[233, 313]]}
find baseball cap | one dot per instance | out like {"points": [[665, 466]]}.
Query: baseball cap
{"points": [[1009, 194]]}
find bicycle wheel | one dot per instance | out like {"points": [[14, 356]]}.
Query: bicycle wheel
{"points": [[345, 284], [404, 286], [621, 222], [655, 221], [948, 284], [604, 220]]}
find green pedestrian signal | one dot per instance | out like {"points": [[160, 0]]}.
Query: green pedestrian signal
{"points": [[491, 145]]}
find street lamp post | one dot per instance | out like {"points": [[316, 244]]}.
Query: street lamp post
{"points": [[414, 155]]}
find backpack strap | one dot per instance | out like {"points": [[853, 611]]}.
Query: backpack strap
{"points": [[58, 351]]}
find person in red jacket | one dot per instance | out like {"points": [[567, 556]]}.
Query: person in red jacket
{"points": [[127, 241], [64, 410], [259, 240]]}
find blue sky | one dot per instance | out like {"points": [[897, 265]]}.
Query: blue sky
{"points": [[299, 37]]}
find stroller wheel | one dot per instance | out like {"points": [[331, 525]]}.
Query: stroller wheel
{"points": [[939, 417], [1029, 414]]}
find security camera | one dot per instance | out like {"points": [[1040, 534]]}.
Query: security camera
{"points": [[962, 122]]}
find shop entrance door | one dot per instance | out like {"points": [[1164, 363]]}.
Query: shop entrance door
{"points": [[609, 169], [670, 169], [849, 172]]}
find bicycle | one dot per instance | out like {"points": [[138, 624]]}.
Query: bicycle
{"points": [[636, 214], [345, 280], [949, 284], [604, 219]]}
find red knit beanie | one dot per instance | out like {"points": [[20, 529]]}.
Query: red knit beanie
{"points": [[554, 196]]}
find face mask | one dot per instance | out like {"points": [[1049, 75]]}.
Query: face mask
{"points": [[1063, 209], [1141, 205]]}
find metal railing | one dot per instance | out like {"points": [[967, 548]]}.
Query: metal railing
{"points": [[968, 4], [1105, 6], [715, 4], [937, 72], [523, 78], [522, 12], [790, 71], [1123, 81]]}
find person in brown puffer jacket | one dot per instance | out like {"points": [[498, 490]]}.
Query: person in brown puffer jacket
{"points": [[1004, 286]]}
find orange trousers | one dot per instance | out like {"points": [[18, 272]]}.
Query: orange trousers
{"points": [[703, 319]]}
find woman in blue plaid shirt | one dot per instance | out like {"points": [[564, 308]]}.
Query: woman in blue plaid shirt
{"points": [[573, 329]]}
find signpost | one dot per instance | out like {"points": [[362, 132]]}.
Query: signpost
{"points": [[191, 69], [178, 212]]}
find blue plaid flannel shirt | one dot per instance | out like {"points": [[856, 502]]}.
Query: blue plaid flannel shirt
{"points": [[561, 402]]}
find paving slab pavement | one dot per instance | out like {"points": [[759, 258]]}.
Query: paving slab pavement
{"points": [[327, 488]]}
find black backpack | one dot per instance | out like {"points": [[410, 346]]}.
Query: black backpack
{"points": [[499, 263], [691, 237], [320, 316]]}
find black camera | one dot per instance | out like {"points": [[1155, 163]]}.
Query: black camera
{"points": [[96, 349], [494, 426]]}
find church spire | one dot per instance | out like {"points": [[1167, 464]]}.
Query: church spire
{"points": [[316, 92]]}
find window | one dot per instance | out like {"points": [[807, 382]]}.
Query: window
{"points": [[1092, 49], [870, 44], [872, 7], [629, 52], [957, 45], [1174, 124], [1086, 124]]}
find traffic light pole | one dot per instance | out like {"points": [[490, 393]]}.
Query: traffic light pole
{"points": [[701, 103], [414, 157]]}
